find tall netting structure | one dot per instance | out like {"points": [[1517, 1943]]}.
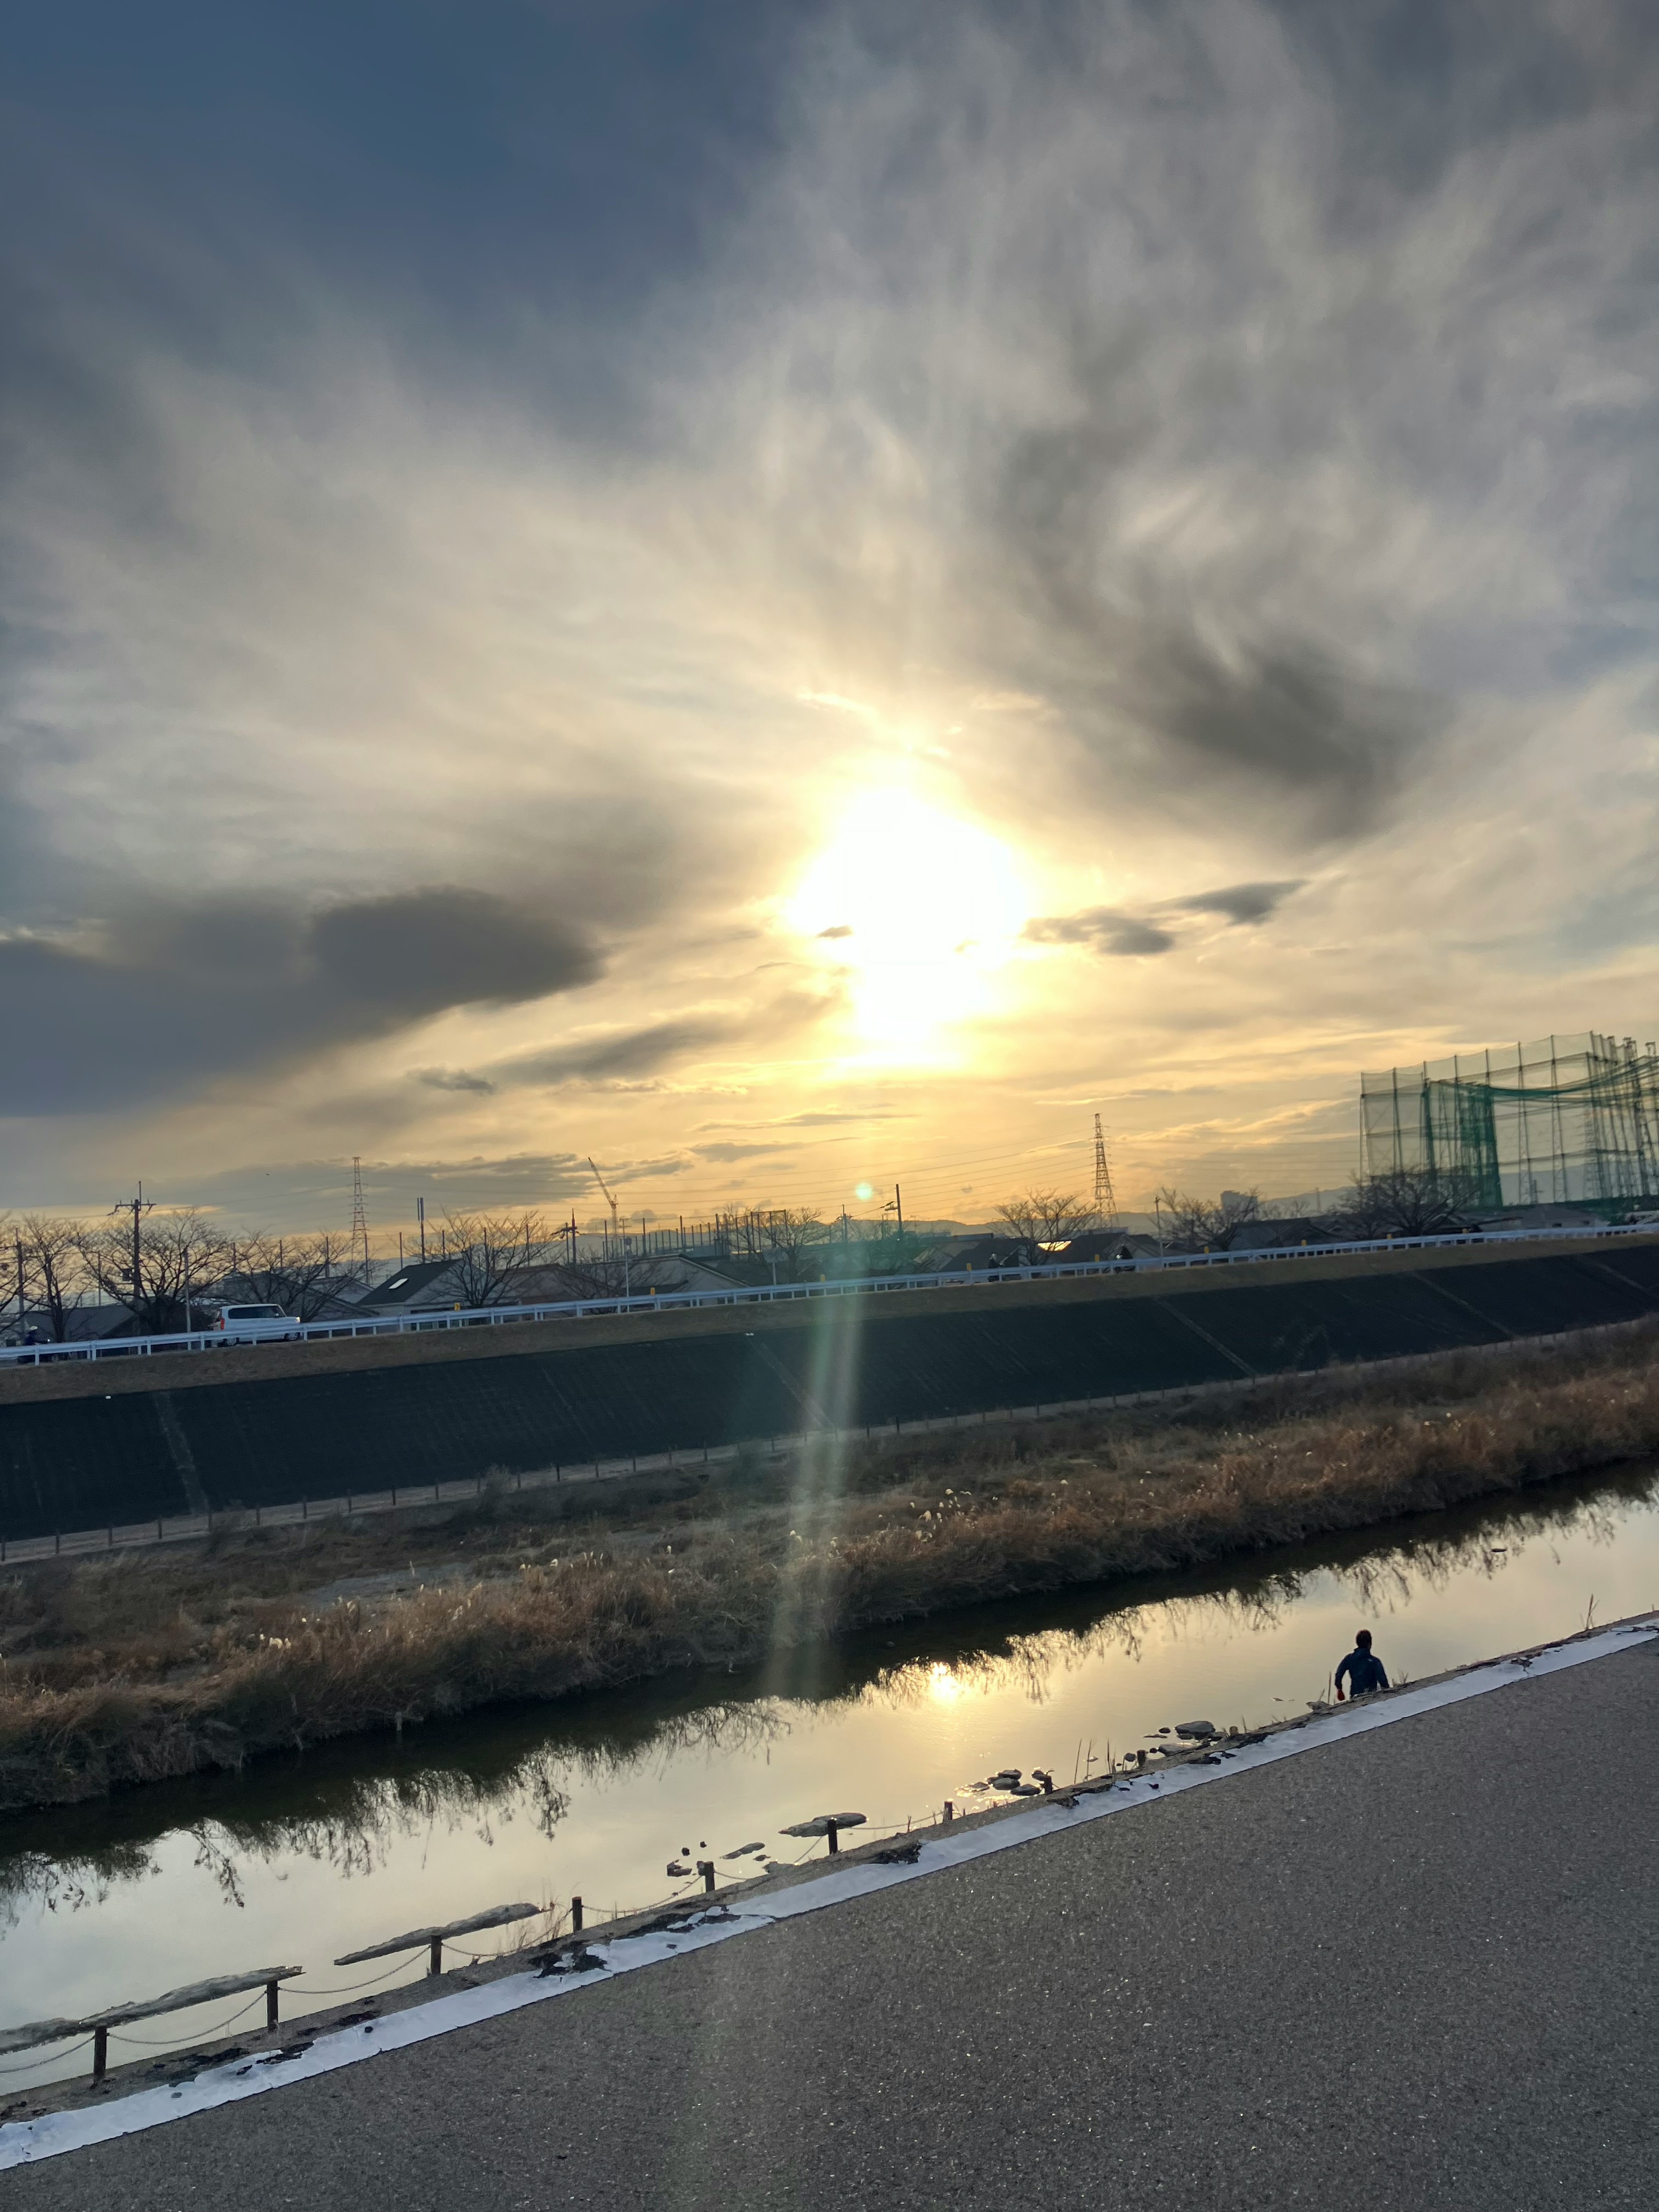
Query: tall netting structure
{"points": [[1572, 1120]]}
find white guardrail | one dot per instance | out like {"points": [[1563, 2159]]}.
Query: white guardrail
{"points": [[412, 1324]]}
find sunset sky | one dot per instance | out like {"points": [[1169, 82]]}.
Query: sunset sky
{"points": [[800, 597]]}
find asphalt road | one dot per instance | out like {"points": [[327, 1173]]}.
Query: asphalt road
{"points": [[1415, 1970]]}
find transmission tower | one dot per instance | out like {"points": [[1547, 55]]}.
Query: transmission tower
{"points": [[359, 1218], [1105, 1196]]}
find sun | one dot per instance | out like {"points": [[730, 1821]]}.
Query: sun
{"points": [[918, 908]]}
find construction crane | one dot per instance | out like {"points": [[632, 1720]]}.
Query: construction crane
{"points": [[609, 1199]]}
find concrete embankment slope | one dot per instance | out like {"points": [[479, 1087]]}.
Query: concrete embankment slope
{"points": [[1413, 1966], [80, 1444]]}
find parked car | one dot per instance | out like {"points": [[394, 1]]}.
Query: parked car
{"points": [[256, 1324]]}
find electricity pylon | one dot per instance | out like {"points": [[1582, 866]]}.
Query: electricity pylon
{"points": [[359, 1218], [1105, 1196]]}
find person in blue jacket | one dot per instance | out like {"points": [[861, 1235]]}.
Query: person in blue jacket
{"points": [[1363, 1672]]}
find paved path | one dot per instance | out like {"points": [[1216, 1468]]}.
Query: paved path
{"points": [[1415, 1970]]}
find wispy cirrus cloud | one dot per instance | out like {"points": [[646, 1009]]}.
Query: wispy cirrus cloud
{"points": [[1210, 444]]}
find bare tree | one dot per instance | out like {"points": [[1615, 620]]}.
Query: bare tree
{"points": [[1405, 1202], [1047, 1217], [302, 1274], [9, 1276], [787, 1232], [1199, 1225], [159, 1272], [486, 1249], [47, 1268], [592, 1277]]}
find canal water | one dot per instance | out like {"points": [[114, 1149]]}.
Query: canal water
{"points": [[301, 1859]]}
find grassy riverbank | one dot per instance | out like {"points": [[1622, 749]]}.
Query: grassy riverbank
{"points": [[161, 1664]]}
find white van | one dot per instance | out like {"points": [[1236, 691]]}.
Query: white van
{"points": [[255, 1324]]}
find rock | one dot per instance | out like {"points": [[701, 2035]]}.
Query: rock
{"points": [[819, 1823], [743, 1851], [1196, 1731], [675, 1871], [1024, 1790], [904, 1854]]}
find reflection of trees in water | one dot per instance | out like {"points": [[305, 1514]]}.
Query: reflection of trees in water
{"points": [[352, 1819], [1484, 1542], [354, 1822], [57, 1884]]}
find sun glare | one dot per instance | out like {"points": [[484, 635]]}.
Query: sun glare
{"points": [[918, 908]]}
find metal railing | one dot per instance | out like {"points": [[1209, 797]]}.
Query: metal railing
{"points": [[412, 1324]]}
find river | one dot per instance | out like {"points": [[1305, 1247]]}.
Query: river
{"points": [[302, 1858]]}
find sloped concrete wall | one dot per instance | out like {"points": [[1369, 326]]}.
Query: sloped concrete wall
{"points": [[77, 1462]]}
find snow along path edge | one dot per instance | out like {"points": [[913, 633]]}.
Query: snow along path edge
{"points": [[24, 2142]]}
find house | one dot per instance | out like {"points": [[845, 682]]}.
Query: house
{"points": [[423, 1285], [1542, 1217], [1263, 1235], [81, 1325], [1099, 1245]]}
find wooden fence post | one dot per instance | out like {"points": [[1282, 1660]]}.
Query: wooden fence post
{"points": [[576, 1916], [100, 2053]]}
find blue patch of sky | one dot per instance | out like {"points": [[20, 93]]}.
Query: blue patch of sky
{"points": [[488, 160]]}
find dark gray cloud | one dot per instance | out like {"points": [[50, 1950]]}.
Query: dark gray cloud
{"points": [[1239, 903], [629, 1052], [165, 998], [1271, 721], [734, 1152], [311, 1194], [454, 1079], [1103, 929], [1121, 935]]}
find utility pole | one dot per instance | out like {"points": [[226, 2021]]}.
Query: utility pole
{"points": [[359, 1219], [420, 1216], [138, 1206], [898, 1208], [1105, 1196], [1157, 1210]]}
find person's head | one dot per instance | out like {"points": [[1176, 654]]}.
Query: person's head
{"points": [[1364, 1639]]}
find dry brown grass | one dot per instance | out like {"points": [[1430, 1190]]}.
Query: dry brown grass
{"points": [[156, 1665]]}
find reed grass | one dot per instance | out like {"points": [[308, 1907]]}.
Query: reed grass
{"points": [[134, 1669]]}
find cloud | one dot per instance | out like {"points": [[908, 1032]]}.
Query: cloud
{"points": [[1239, 903], [629, 1052], [734, 1152], [1105, 929], [1122, 935], [1227, 427], [453, 1079], [164, 998], [825, 1119]]}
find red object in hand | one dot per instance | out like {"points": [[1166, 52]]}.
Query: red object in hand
{"points": [[1342, 1697]]}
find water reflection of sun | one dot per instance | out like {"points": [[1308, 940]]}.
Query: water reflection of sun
{"points": [[943, 1688], [916, 908]]}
